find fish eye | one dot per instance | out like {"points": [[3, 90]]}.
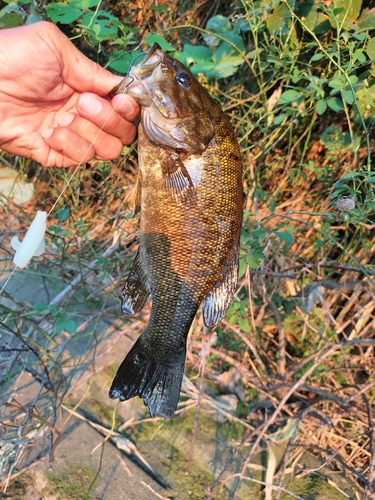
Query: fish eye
{"points": [[183, 79]]}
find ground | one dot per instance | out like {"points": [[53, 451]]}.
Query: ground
{"points": [[87, 466]]}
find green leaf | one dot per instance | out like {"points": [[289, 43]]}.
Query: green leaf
{"points": [[63, 13], [288, 238], [359, 56], [277, 21], [370, 49], [41, 308], [96, 29], [226, 54], [10, 20], [321, 106], [104, 20], [259, 233], [196, 53], [242, 268], [33, 18], [347, 96], [350, 175], [208, 68], [253, 261], [83, 4], [315, 20], [361, 37], [153, 37], [289, 96], [62, 214], [222, 70], [161, 8], [244, 324], [279, 118], [12, 16], [67, 325], [348, 9], [335, 194], [218, 24], [241, 25], [335, 103], [337, 82], [316, 57], [13, 8], [339, 185]]}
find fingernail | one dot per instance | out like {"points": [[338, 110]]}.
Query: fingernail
{"points": [[124, 104], [47, 132], [90, 104], [66, 119]]}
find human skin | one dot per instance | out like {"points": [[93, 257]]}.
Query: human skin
{"points": [[54, 107]]}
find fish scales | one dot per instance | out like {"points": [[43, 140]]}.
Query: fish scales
{"points": [[190, 186]]}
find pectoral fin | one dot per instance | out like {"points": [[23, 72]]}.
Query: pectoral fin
{"points": [[177, 178], [136, 292], [217, 301]]}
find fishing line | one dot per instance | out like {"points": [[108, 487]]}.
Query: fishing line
{"points": [[7, 281]]}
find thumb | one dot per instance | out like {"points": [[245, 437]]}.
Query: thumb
{"points": [[78, 71]]}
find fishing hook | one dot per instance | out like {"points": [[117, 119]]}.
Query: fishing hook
{"points": [[134, 59], [131, 77]]}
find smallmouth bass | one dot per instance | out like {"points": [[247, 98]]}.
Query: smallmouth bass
{"points": [[189, 189]]}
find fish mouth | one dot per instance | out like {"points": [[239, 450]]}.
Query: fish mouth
{"points": [[149, 64], [132, 83], [154, 47]]}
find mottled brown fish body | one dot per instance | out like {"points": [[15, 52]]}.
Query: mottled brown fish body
{"points": [[190, 187]]}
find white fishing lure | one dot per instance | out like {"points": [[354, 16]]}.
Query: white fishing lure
{"points": [[33, 244]]}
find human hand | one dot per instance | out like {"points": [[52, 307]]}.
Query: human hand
{"points": [[53, 100]]}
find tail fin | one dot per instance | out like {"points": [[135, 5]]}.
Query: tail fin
{"points": [[157, 382]]}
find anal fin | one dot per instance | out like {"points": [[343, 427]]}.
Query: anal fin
{"points": [[217, 301], [136, 292]]}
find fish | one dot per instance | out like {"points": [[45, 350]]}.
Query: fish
{"points": [[189, 192]]}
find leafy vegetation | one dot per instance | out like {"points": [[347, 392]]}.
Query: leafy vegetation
{"points": [[297, 80]]}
